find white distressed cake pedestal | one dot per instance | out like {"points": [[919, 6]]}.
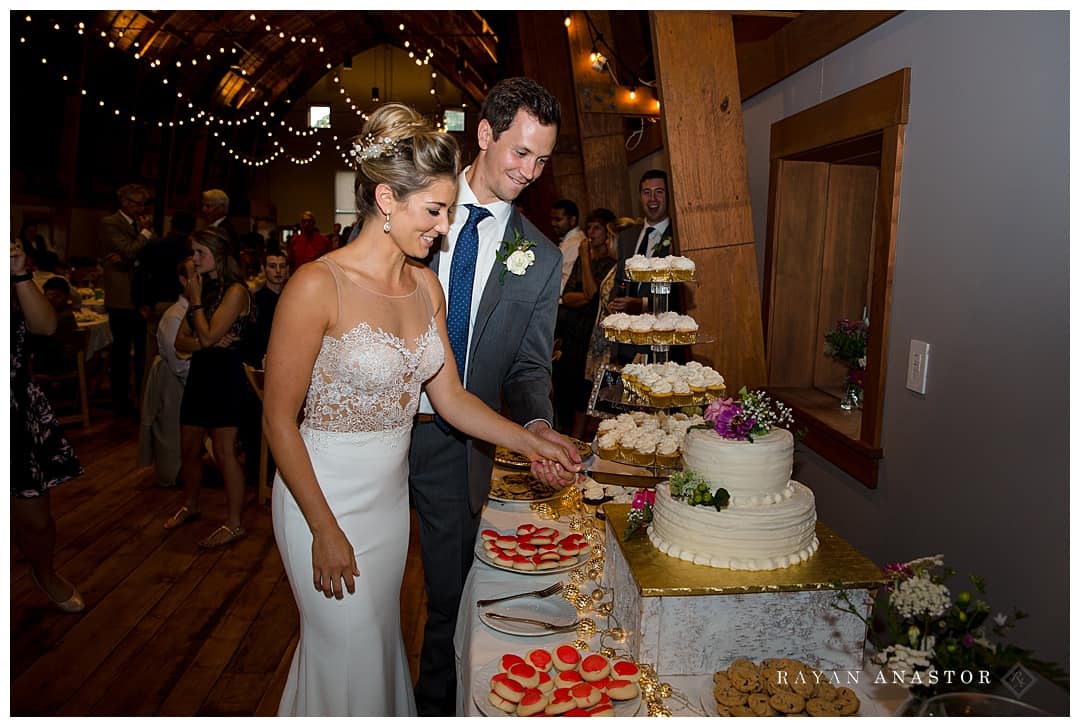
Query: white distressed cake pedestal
{"points": [[688, 619]]}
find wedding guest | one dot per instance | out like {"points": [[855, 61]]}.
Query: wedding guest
{"points": [[355, 335], [600, 349], [275, 268], [502, 325], [574, 326], [57, 352], [215, 212], [652, 238], [122, 236], [564, 222], [308, 244], [154, 286], [41, 457], [41, 254], [214, 396], [159, 433]]}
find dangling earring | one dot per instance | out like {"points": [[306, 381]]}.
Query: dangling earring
{"points": [[386, 225]]}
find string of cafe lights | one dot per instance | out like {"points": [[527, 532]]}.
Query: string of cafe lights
{"points": [[199, 115]]}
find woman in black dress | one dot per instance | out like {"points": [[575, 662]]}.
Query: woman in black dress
{"points": [[215, 396], [41, 457], [574, 325]]}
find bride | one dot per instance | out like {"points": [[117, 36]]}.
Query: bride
{"points": [[358, 332]]}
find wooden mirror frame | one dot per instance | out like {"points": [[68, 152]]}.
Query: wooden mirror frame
{"points": [[865, 127]]}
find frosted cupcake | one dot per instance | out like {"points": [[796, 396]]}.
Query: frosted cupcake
{"points": [[664, 330], [698, 389], [682, 268], [622, 327], [667, 452], [686, 330], [637, 268], [627, 445], [680, 394], [645, 452], [607, 445], [641, 329], [714, 385], [659, 269], [660, 394]]}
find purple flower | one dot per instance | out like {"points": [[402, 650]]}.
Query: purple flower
{"points": [[969, 640], [728, 419]]}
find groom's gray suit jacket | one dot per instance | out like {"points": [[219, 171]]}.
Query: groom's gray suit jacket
{"points": [[510, 350]]}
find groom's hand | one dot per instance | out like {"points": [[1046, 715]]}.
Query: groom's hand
{"points": [[549, 472]]}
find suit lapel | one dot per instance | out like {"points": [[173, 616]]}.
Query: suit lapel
{"points": [[493, 289]]}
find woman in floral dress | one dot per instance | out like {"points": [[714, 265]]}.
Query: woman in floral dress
{"points": [[41, 457]]}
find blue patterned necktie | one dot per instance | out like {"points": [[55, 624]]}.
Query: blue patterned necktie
{"points": [[462, 271]]}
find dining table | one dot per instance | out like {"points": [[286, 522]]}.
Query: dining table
{"points": [[96, 326], [480, 640]]}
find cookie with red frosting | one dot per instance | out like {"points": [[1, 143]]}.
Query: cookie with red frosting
{"points": [[525, 674], [594, 667], [622, 689], [532, 702], [586, 695], [565, 658], [561, 702]]}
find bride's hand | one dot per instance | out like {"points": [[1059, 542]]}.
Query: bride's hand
{"points": [[333, 563], [555, 459]]}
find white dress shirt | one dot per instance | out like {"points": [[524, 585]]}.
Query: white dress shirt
{"points": [[142, 231], [490, 231], [570, 246], [166, 338], [659, 229]]}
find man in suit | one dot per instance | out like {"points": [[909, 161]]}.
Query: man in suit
{"points": [[653, 238], [215, 210], [121, 237], [501, 322]]}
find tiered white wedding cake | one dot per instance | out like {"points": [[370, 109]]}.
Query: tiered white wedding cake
{"points": [[769, 520]]}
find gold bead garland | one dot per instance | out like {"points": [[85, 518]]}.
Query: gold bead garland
{"points": [[653, 693]]}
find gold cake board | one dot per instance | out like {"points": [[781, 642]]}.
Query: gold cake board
{"points": [[836, 565]]}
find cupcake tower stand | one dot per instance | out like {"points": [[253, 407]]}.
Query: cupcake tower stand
{"points": [[609, 388]]}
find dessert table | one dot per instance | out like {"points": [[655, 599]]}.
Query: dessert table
{"points": [[476, 645]]}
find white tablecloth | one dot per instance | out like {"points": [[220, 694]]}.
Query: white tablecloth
{"points": [[99, 332], [476, 645]]}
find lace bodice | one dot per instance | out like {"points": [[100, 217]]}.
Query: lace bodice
{"points": [[366, 379]]}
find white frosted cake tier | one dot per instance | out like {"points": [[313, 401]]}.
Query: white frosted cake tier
{"points": [[747, 537], [753, 473]]}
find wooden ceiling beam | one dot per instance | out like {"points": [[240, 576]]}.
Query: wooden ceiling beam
{"points": [[807, 38]]}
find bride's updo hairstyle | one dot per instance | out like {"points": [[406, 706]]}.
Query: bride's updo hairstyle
{"points": [[399, 148]]}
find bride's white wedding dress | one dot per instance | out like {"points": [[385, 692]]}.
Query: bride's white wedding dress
{"points": [[365, 387]]}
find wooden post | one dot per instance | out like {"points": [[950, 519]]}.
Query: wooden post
{"points": [[701, 117]]}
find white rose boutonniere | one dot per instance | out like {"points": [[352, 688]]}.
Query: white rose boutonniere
{"points": [[664, 246], [516, 256]]}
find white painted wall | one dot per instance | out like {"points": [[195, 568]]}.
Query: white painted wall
{"points": [[978, 469]]}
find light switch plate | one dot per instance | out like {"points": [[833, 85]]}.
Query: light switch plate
{"points": [[918, 361]]}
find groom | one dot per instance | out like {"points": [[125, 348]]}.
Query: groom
{"points": [[501, 323]]}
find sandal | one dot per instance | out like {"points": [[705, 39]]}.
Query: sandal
{"points": [[182, 516], [72, 604], [222, 536]]}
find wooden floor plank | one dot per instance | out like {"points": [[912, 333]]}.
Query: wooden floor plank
{"points": [[170, 629]]}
